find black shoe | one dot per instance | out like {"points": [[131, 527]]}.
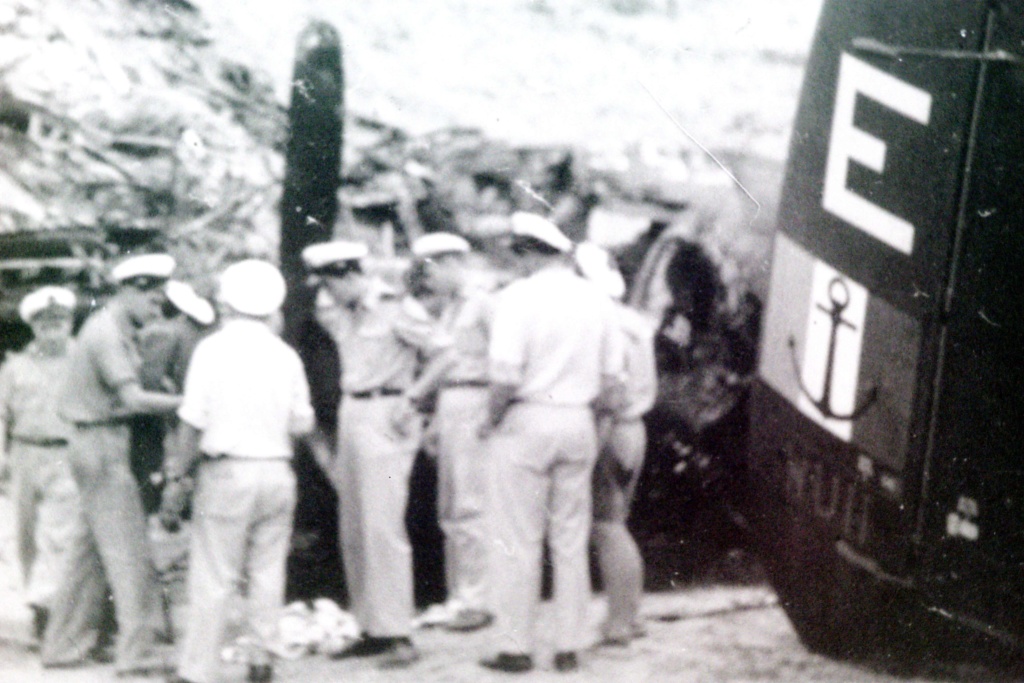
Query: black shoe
{"points": [[469, 620], [400, 655], [367, 646], [508, 662], [261, 673], [67, 664], [102, 654], [566, 662], [147, 668], [175, 678]]}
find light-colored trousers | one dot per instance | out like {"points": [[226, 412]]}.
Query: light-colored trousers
{"points": [[371, 475], [462, 491], [241, 532], [47, 515], [542, 460], [112, 547]]}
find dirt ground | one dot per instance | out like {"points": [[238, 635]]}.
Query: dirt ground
{"points": [[713, 633], [695, 633]]}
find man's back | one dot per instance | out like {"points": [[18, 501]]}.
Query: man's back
{"points": [[553, 338], [247, 391]]}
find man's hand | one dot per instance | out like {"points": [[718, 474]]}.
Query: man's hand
{"points": [[172, 504], [431, 440], [403, 417], [321, 451]]}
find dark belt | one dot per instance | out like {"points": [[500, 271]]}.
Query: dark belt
{"points": [[466, 383], [40, 441], [110, 422], [375, 393], [220, 457]]}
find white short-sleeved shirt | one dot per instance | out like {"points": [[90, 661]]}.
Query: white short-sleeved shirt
{"points": [[382, 339], [246, 391], [467, 320], [555, 337], [30, 385], [641, 375]]}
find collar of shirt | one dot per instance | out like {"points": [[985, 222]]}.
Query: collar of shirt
{"points": [[35, 351], [120, 317], [554, 269], [246, 325]]}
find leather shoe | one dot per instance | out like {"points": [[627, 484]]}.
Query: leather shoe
{"points": [[261, 673], [177, 679], [614, 637], [367, 646], [103, 654], [67, 664], [566, 662], [152, 665], [400, 655], [146, 669], [467, 620], [508, 662]]}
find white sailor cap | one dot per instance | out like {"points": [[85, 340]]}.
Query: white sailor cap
{"points": [[325, 254], [155, 267], [526, 224], [436, 243], [185, 299], [252, 287], [595, 264], [44, 299]]}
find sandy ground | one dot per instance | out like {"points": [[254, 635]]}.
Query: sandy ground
{"points": [[695, 634]]}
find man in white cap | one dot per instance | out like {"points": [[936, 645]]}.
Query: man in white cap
{"points": [[622, 449], [246, 398], [102, 389], [187, 318], [459, 375], [554, 352], [380, 338], [165, 346], [33, 443]]}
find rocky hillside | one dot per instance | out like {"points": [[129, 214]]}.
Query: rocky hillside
{"points": [[119, 114]]}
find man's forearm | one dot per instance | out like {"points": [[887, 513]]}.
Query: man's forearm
{"points": [[138, 400], [501, 399], [318, 444], [184, 453], [431, 378]]}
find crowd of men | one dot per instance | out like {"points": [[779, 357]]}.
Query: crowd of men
{"points": [[529, 397]]}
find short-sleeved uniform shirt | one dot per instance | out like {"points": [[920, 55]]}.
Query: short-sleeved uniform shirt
{"points": [[554, 336], [467, 321], [640, 372], [383, 340], [166, 347], [30, 384], [104, 359], [246, 391]]}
